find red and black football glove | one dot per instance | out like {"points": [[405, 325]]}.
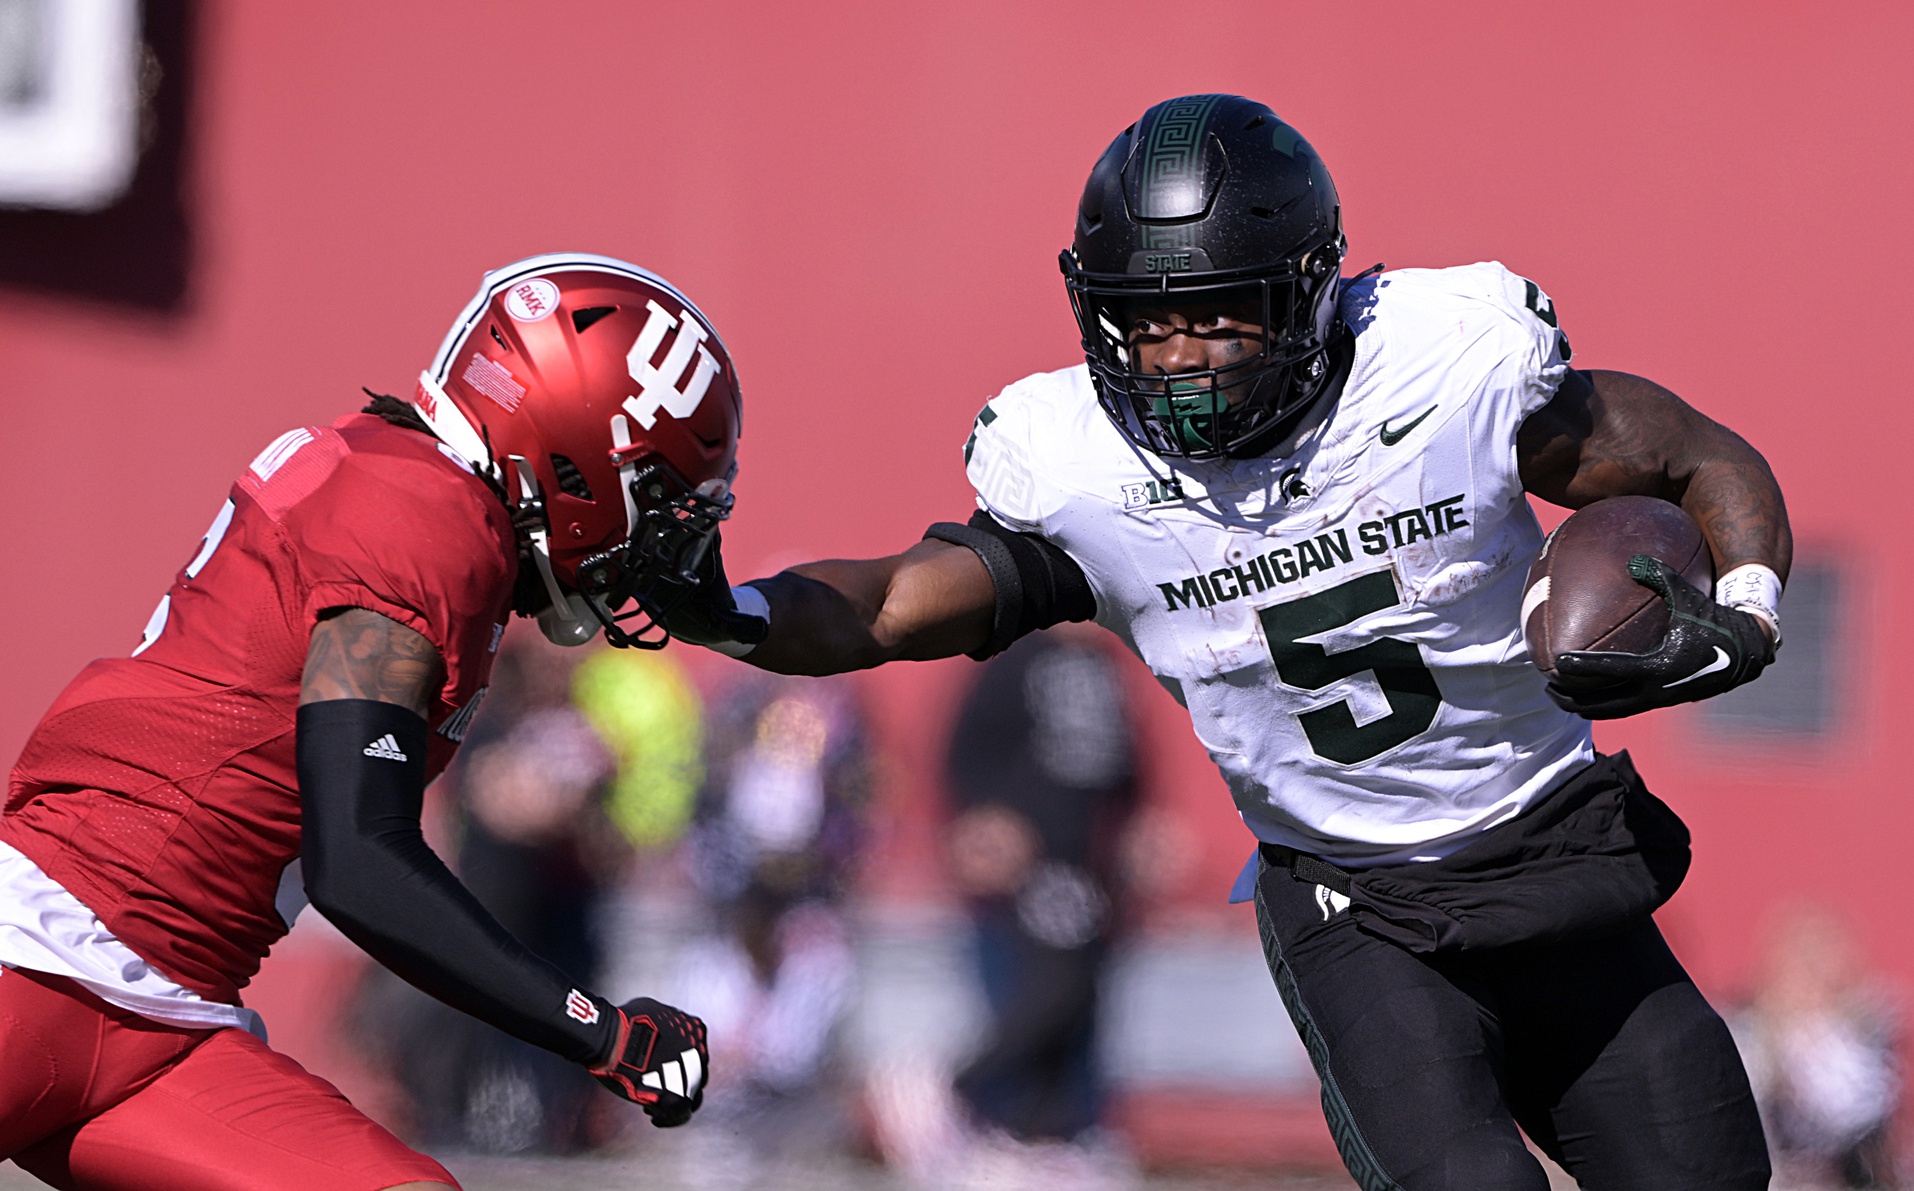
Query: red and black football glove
{"points": [[659, 1061], [1709, 649]]}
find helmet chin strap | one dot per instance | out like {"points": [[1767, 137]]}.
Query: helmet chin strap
{"points": [[572, 627], [568, 621], [622, 455]]}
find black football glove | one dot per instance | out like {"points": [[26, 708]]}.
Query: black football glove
{"points": [[659, 1061], [1709, 649], [709, 615]]}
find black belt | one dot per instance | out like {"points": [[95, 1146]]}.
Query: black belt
{"points": [[1598, 853], [1311, 869]]}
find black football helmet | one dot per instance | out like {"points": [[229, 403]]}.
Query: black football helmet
{"points": [[1210, 200]]}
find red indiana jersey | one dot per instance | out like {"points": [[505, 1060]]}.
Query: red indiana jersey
{"points": [[160, 789]]}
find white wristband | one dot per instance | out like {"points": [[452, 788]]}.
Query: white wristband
{"points": [[1756, 590], [751, 602]]}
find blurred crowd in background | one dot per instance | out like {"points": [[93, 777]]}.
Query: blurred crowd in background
{"points": [[702, 841], [701, 838], [1820, 1036]]}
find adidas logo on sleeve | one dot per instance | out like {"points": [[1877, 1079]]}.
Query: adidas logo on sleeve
{"points": [[386, 746]]}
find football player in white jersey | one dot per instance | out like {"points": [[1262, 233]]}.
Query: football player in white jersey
{"points": [[1302, 500]]}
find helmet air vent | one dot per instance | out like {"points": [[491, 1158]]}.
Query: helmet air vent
{"points": [[499, 339], [1255, 122], [582, 319], [570, 480], [1262, 212]]}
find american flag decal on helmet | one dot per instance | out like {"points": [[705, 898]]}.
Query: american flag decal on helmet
{"points": [[580, 1007]]}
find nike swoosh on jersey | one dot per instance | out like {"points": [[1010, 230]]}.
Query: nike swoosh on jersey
{"points": [[1720, 663], [1391, 437]]}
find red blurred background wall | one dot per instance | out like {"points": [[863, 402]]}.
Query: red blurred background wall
{"points": [[868, 199]]}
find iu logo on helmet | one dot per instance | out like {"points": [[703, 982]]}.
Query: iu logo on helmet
{"points": [[659, 386]]}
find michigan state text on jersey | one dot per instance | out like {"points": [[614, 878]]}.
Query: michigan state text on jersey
{"points": [[1340, 619], [1303, 502]]}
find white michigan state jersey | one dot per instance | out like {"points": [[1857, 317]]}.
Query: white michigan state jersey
{"points": [[1343, 623]]}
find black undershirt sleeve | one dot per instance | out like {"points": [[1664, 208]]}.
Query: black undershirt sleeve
{"points": [[369, 870], [1038, 585]]}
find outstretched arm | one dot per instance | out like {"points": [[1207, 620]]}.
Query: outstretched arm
{"points": [[970, 589], [935, 600], [362, 742], [1613, 434]]}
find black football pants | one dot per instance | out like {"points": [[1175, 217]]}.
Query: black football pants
{"points": [[1602, 1050]]}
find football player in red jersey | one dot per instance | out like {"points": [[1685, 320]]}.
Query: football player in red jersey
{"points": [[312, 667]]}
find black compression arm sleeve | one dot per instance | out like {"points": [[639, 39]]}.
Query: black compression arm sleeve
{"points": [[1038, 585], [369, 871]]}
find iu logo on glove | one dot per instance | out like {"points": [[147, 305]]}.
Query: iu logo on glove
{"points": [[659, 386]]}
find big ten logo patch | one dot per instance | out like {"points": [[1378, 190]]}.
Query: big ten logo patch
{"points": [[659, 384], [1152, 492]]}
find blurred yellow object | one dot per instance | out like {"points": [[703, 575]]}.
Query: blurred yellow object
{"points": [[644, 708]]}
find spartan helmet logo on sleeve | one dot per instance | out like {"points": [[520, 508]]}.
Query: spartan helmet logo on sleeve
{"points": [[600, 399]]}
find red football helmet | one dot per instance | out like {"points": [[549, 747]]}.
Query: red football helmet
{"points": [[600, 399]]}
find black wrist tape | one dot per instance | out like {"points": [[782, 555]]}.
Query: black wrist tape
{"points": [[1037, 584]]}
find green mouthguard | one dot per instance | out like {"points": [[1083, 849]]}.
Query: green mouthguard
{"points": [[1189, 412]]}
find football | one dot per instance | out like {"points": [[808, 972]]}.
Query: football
{"points": [[1580, 594]]}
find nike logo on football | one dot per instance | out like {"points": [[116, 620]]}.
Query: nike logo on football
{"points": [[1391, 437], [1720, 663], [386, 746]]}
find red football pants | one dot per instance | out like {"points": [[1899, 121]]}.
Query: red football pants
{"points": [[94, 1098]]}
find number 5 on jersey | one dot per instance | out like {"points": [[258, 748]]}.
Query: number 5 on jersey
{"points": [[1406, 682]]}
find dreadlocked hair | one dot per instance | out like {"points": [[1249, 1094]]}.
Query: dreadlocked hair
{"points": [[399, 413]]}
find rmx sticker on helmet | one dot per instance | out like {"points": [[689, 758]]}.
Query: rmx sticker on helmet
{"points": [[530, 301]]}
